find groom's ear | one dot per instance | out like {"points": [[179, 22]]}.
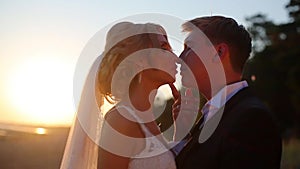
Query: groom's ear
{"points": [[222, 50]]}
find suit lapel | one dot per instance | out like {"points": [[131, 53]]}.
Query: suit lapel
{"points": [[180, 158]]}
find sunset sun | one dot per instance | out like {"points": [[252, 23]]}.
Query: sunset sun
{"points": [[41, 89]]}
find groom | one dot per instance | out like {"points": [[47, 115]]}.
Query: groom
{"points": [[241, 131]]}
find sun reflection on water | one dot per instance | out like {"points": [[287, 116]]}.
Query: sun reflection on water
{"points": [[40, 131]]}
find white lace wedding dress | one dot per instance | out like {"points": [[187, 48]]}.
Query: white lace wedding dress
{"points": [[155, 154]]}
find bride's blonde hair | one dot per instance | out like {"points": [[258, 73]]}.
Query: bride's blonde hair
{"points": [[122, 40]]}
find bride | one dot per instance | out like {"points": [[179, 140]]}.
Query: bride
{"points": [[136, 61]]}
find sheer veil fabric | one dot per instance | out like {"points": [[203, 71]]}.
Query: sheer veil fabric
{"points": [[81, 149]]}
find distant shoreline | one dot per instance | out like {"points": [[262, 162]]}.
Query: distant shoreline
{"points": [[29, 128]]}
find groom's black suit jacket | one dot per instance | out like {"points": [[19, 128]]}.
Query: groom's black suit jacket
{"points": [[245, 138]]}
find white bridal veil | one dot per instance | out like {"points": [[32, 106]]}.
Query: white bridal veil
{"points": [[81, 151]]}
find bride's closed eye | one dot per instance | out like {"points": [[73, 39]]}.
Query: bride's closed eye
{"points": [[166, 46]]}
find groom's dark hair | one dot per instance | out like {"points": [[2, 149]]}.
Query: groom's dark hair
{"points": [[219, 29]]}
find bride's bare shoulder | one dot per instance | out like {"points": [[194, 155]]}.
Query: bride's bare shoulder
{"points": [[123, 124]]}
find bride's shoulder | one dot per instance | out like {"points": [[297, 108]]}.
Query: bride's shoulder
{"points": [[123, 124]]}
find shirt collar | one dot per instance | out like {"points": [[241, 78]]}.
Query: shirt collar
{"points": [[219, 100]]}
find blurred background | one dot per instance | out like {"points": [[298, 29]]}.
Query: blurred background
{"points": [[42, 40]]}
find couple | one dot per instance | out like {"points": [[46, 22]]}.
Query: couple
{"points": [[137, 60]]}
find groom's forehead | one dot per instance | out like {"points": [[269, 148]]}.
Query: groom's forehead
{"points": [[195, 38]]}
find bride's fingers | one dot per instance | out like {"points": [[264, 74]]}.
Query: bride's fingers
{"points": [[176, 105], [176, 108], [177, 101], [175, 111]]}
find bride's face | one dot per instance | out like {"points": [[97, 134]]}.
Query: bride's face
{"points": [[163, 60]]}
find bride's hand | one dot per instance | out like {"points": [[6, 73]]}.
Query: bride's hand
{"points": [[178, 124], [184, 111], [177, 101]]}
